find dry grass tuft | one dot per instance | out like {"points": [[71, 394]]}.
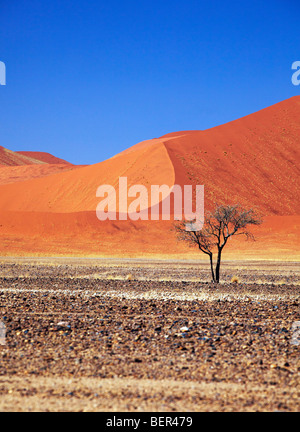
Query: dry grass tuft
{"points": [[235, 280]]}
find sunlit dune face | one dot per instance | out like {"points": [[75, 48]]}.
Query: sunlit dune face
{"points": [[48, 207]]}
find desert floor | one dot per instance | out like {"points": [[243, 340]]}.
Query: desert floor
{"points": [[148, 335]]}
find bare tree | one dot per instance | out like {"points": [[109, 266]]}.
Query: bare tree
{"points": [[219, 225]]}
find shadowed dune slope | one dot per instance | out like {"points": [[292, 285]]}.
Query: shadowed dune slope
{"points": [[254, 160]]}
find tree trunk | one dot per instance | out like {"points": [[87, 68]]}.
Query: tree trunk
{"points": [[218, 265], [212, 268]]}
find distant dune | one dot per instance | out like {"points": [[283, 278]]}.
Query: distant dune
{"points": [[75, 190], [253, 160], [26, 165], [43, 157], [10, 158], [19, 158]]}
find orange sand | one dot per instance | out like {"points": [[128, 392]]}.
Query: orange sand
{"points": [[253, 160], [13, 174]]}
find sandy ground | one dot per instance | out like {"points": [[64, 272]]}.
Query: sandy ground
{"points": [[141, 335], [126, 394]]}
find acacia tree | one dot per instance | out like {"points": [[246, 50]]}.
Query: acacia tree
{"points": [[221, 224]]}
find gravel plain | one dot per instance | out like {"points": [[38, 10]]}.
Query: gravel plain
{"points": [[142, 335]]}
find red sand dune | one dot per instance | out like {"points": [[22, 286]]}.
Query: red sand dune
{"points": [[20, 166], [10, 158], [253, 160], [75, 190], [43, 157]]}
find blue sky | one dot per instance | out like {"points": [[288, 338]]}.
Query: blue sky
{"points": [[85, 80]]}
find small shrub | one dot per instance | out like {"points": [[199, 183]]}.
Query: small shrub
{"points": [[235, 280]]}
